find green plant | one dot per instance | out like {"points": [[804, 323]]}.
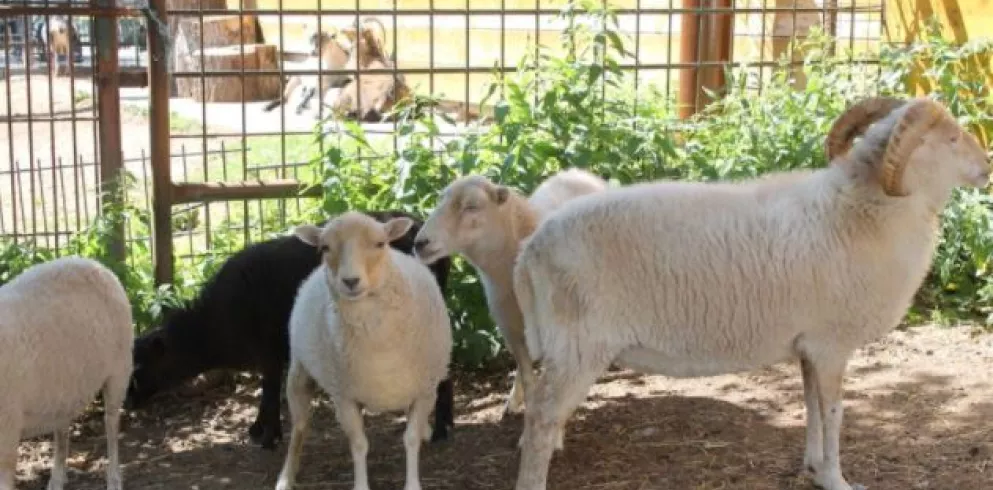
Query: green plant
{"points": [[960, 283]]}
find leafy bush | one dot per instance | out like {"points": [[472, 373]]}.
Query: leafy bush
{"points": [[578, 109], [960, 284]]}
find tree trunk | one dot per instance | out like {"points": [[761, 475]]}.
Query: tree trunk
{"points": [[231, 88], [216, 31], [174, 25]]}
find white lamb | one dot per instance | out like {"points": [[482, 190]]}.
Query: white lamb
{"points": [[370, 326], [486, 223], [699, 279], [65, 334]]}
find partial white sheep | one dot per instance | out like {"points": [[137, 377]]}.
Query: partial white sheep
{"points": [[65, 334], [486, 223], [699, 279], [370, 326]]}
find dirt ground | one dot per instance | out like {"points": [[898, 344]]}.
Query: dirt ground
{"points": [[919, 416]]}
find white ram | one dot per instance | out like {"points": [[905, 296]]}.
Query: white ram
{"points": [[370, 326], [699, 279], [486, 223], [65, 334]]}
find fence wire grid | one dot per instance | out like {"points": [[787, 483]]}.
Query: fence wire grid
{"points": [[227, 59]]}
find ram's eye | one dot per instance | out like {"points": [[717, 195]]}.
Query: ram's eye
{"points": [[471, 207], [323, 249], [380, 244]]}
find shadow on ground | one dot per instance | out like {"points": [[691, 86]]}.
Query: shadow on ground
{"points": [[917, 419]]}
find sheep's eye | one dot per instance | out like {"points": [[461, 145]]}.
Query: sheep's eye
{"points": [[380, 244], [471, 207], [323, 249]]}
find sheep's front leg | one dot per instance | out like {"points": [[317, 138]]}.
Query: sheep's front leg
{"points": [[266, 430], [443, 417], [114, 391], [9, 437], [417, 420], [350, 417], [60, 452], [299, 392], [829, 373], [813, 455], [557, 394], [525, 371]]}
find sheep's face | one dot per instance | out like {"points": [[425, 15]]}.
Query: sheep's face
{"points": [[949, 154], [159, 364], [917, 148], [354, 248], [466, 210]]}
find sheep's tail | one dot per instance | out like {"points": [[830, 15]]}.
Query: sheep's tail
{"points": [[524, 290]]}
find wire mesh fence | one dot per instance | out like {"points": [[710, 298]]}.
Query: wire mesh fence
{"points": [[229, 63]]}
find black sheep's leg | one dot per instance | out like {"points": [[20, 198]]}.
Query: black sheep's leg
{"points": [[267, 429], [443, 416]]}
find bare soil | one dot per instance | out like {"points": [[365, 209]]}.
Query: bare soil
{"points": [[71, 134], [919, 416]]}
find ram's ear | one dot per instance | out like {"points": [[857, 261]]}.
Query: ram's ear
{"points": [[308, 234]]}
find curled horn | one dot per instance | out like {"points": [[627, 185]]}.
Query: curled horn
{"points": [[919, 118], [379, 25], [854, 122]]}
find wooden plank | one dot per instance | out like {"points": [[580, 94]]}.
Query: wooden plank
{"points": [[160, 149], [247, 189]]}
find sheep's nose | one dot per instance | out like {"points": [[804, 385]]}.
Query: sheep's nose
{"points": [[350, 282], [420, 244]]}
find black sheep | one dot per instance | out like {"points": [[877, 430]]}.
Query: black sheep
{"points": [[239, 321]]}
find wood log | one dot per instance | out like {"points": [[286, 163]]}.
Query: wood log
{"points": [[174, 25], [230, 88], [217, 30]]}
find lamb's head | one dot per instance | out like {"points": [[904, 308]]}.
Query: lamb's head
{"points": [[913, 145], [467, 209], [354, 248]]}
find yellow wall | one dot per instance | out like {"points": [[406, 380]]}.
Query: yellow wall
{"points": [[962, 19]]}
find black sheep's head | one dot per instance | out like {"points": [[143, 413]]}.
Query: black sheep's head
{"points": [[160, 363]]}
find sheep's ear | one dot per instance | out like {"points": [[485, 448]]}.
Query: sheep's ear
{"points": [[499, 194], [349, 32], [157, 349], [308, 234], [397, 228]]}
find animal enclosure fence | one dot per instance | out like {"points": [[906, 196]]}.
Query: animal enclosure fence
{"points": [[175, 93]]}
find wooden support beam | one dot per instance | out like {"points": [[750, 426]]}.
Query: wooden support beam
{"points": [[248, 189], [158, 77]]}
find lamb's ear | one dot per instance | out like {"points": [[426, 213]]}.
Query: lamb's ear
{"points": [[499, 194], [397, 228], [308, 234]]}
